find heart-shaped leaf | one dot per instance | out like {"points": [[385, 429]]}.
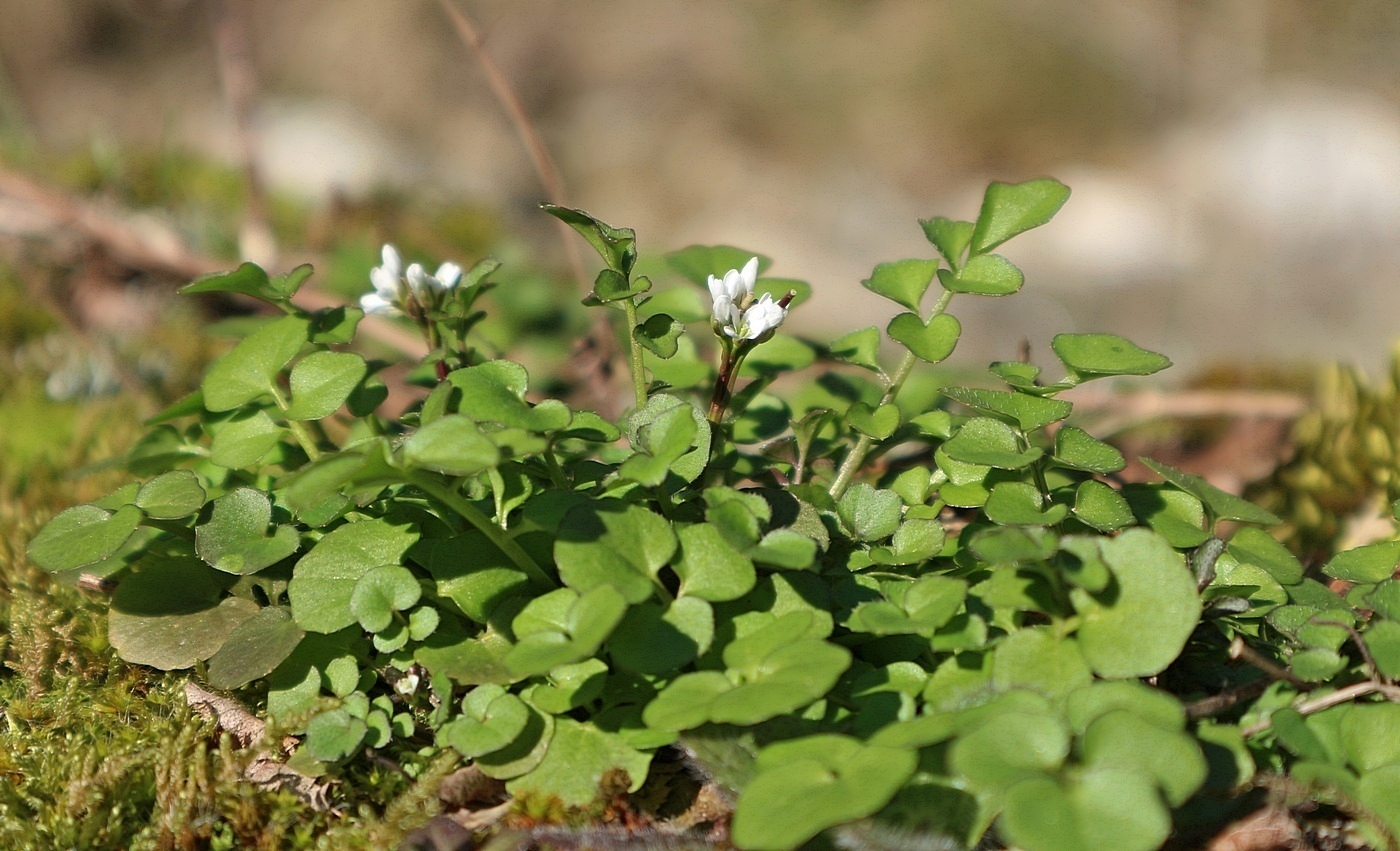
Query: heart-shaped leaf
{"points": [[932, 342], [861, 348], [1012, 208], [491, 719], [380, 593], [709, 567], [661, 443], [816, 782], [903, 282], [249, 370], [950, 237], [870, 514], [659, 334], [324, 579], [322, 381], [876, 423], [237, 539]]}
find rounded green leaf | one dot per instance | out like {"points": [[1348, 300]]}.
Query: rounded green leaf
{"points": [[1105, 354], [989, 443], [172, 613], [903, 282], [709, 568], [380, 593], [933, 341], [690, 464], [249, 370], [613, 543], [578, 759], [869, 513], [1021, 504], [334, 735], [1076, 449], [322, 381], [1106, 808], [495, 392], [82, 535], [1368, 564], [1140, 624], [1100, 506], [171, 495], [806, 785], [255, 648], [324, 580], [452, 444], [1122, 739], [984, 274], [652, 639], [236, 538], [492, 719], [244, 440], [1026, 412], [876, 423], [1008, 748], [861, 348], [1038, 660]]}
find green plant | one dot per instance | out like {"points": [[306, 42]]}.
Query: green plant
{"points": [[945, 619]]}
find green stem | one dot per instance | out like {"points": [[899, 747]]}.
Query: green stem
{"points": [[639, 377], [298, 428], [483, 524], [856, 457]]}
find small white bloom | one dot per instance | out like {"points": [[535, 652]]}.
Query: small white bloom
{"points": [[395, 286], [758, 319], [734, 290]]}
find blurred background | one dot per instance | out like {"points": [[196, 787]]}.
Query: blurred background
{"points": [[1235, 166]]}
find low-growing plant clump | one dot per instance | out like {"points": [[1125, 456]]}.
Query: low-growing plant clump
{"points": [[848, 613]]}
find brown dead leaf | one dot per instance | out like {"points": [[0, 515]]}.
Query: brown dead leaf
{"points": [[1268, 829]]}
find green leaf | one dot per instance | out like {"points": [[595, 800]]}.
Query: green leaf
{"points": [[869, 513], [984, 274], [236, 538], [696, 263], [491, 720], [334, 735], [1122, 739], [1370, 735], [691, 464], [172, 613], [932, 342], [816, 782], [1101, 507], [1140, 625], [1009, 544], [875, 423], [1104, 808], [1012, 208], [1094, 355], [1175, 515], [950, 237], [171, 495], [903, 282], [617, 246], [709, 568], [990, 443], [1076, 449], [661, 443], [1255, 546], [82, 535], [380, 593], [1017, 374], [861, 348], [1222, 505], [324, 580], [1365, 565], [255, 648], [495, 392], [659, 334], [1038, 660], [1020, 504], [652, 639], [322, 381], [472, 572], [1008, 748], [563, 627], [613, 543], [247, 279], [580, 757], [244, 440], [454, 445], [1027, 413], [249, 370]]}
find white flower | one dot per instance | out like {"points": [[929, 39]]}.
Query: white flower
{"points": [[395, 287], [390, 289], [761, 317], [732, 293]]}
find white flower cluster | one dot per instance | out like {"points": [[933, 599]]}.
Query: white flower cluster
{"points": [[736, 312], [407, 291]]}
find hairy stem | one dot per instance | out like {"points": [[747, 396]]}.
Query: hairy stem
{"points": [[634, 350]]}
